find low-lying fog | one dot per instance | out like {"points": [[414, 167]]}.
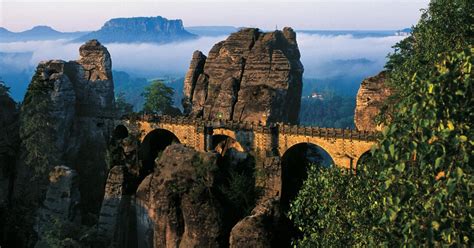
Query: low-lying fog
{"points": [[322, 56]]}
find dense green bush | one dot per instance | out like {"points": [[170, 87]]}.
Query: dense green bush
{"points": [[417, 189], [426, 156], [336, 209]]}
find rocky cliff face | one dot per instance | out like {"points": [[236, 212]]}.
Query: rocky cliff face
{"points": [[372, 94], [250, 76], [9, 143], [140, 29], [176, 206], [61, 205], [65, 120]]}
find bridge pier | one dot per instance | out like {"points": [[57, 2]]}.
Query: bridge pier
{"points": [[208, 132]]}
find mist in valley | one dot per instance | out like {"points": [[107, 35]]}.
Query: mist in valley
{"points": [[335, 62]]}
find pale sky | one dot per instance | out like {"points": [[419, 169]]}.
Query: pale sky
{"points": [[82, 15]]}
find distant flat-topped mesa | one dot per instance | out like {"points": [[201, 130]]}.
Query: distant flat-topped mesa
{"points": [[140, 29], [251, 76]]}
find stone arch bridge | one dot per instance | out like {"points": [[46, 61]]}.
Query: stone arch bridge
{"points": [[344, 146], [267, 143]]}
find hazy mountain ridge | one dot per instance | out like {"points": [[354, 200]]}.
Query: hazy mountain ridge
{"points": [[37, 33]]}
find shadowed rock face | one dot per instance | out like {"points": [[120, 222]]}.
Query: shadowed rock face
{"points": [[372, 94], [175, 204], [9, 143], [61, 203], [250, 76], [62, 123], [257, 229]]}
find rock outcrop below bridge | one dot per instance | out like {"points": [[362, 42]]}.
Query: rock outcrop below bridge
{"points": [[250, 76], [177, 148]]}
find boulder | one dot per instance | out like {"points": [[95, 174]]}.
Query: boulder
{"points": [[251, 76], [372, 95], [175, 204], [258, 229]]}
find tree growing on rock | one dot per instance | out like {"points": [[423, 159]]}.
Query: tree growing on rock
{"points": [[121, 105], [4, 89], [158, 98]]}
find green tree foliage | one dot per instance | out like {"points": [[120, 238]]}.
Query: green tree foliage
{"points": [[426, 158], [340, 213], [4, 89], [158, 98], [239, 188], [37, 130], [121, 105], [445, 26], [420, 178], [332, 111]]}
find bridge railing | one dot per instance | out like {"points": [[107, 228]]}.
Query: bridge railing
{"points": [[259, 127], [327, 132]]}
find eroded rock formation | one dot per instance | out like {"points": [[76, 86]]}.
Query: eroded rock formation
{"points": [[372, 94], [9, 143], [250, 76], [259, 228], [61, 205], [117, 222], [175, 204], [65, 120]]}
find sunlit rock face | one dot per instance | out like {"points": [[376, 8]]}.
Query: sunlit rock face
{"points": [[64, 120], [372, 94], [251, 76]]}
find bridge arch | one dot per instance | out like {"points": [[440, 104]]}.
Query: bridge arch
{"points": [[364, 157], [294, 165], [120, 132], [152, 145], [221, 143], [244, 139]]}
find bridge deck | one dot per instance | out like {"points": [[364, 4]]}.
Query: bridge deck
{"points": [[282, 128]]}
